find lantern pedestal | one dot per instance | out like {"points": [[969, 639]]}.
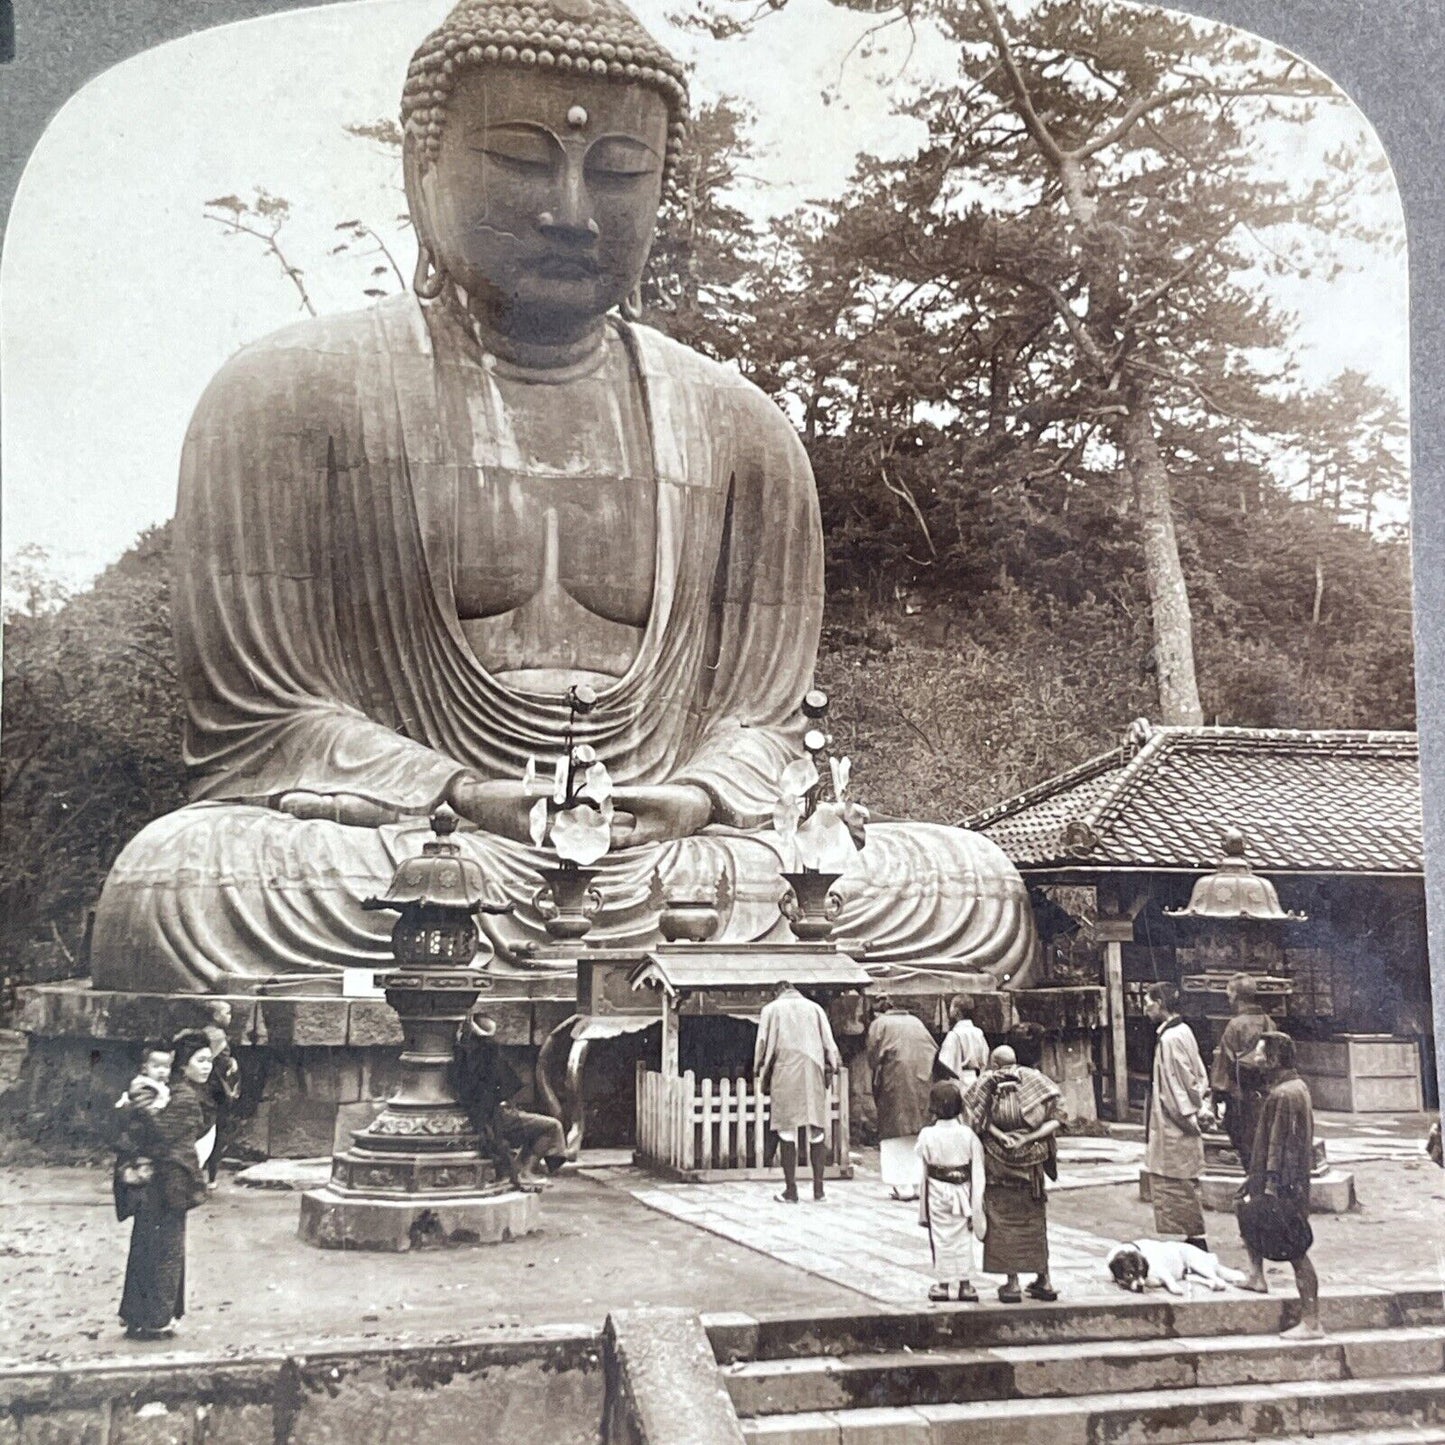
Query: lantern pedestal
{"points": [[415, 1177]]}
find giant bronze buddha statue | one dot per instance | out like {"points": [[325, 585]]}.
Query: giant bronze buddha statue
{"points": [[403, 534]]}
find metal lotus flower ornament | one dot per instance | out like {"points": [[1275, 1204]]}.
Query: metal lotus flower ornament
{"points": [[819, 834], [574, 815]]}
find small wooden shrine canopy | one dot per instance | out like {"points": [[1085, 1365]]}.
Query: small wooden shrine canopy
{"points": [[717, 1128], [758, 968]]}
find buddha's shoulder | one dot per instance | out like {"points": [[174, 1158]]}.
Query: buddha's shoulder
{"points": [[682, 365], [324, 346]]}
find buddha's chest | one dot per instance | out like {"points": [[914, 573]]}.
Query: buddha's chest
{"points": [[530, 536]]}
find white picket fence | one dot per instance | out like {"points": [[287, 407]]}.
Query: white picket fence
{"points": [[719, 1126]]}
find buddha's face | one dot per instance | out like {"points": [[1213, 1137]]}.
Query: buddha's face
{"points": [[544, 196]]}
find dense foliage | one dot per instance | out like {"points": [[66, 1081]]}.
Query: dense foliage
{"points": [[961, 345]]}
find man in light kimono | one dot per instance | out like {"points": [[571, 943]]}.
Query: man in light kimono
{"points": [[794, 1062], [1177, 1113], [404, 535], [964, 1050]]}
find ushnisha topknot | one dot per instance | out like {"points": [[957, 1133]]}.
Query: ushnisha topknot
{"points": [[585, 37]]}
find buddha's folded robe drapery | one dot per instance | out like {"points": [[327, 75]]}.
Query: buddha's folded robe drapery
{"points": [[321, 651]]}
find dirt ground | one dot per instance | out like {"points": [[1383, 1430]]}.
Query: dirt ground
{"points": [[253, 1286]]}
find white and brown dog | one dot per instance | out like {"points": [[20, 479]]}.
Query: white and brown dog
{"points": [[1167, 1264]]}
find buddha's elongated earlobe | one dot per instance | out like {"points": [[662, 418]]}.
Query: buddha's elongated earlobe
{"points": [[631, 307], [429, 280]]}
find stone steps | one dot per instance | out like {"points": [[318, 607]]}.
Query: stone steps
{"points": [[928, 1377], [1150, 1370], [737, 1337], [1406, 1435], [1358, 1410]]}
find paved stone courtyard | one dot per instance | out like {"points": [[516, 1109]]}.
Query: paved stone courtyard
{"points": [[863, 1240], [857, 1237]]}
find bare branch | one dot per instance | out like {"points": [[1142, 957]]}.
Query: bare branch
{"points": [[233, 222], [900, 491], [1042, 135], [1146, 105]]}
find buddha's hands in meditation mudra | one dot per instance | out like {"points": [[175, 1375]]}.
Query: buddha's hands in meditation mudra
{"points": [[642, 814]]}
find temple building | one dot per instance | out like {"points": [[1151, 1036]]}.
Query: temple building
{"points": [[1113, 848]]}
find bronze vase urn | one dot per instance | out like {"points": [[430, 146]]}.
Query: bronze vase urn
{"points": [[567, 901], [810, 905]]}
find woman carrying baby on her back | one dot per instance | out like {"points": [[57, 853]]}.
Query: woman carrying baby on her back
{"points": [[158, 1180], [1016, 1112]]}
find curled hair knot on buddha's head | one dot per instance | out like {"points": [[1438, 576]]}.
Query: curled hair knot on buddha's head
{"points": [[583, 37]]}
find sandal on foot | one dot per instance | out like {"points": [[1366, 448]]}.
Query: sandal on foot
{"points": [[938, 1293], [1009, 1296], [967, 1294], [1041, 1292]]}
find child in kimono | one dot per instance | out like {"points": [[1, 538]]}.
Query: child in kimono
{"points": [[950, 1194], [150, 1089]]}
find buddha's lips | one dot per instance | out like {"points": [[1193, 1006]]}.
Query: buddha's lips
{"points": [[566, 268]]}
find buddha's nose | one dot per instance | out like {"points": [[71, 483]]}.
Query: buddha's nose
{"points": [[571, 218]]}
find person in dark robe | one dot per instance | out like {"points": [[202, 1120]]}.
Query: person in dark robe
{"points": [[1016, 1112], [164, 1192], [1238, 1091], [222, 1089], [1274, 1208], [1178, 1112], [900, 1052], [526, 1145]]}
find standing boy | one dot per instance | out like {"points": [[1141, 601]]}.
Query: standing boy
{"points": [[1236, 1085], [1275, 1205]]}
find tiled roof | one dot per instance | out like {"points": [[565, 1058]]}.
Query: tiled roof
{"points": [[1326, 802]]}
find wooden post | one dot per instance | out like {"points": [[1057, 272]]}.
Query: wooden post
{"points": [[686, 1126], [669, 1036], [1114, 933], [705, 1116], [639, 1129], [725, 1123]]}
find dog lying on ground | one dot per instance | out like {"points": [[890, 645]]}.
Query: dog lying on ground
{"points": [[1167, 1264]]}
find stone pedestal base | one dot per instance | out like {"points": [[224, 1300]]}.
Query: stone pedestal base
{"points": [[314, 1069], [1332, 1192], [332, 1220]]}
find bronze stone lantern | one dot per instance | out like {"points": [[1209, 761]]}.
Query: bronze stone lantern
{"points": [[1233, 922], [415, 1175]]}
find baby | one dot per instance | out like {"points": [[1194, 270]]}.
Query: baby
{"points": [[1167, 1264], [150, 1089]]}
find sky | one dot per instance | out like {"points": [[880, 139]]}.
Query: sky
{"points": [[119, 299]]}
